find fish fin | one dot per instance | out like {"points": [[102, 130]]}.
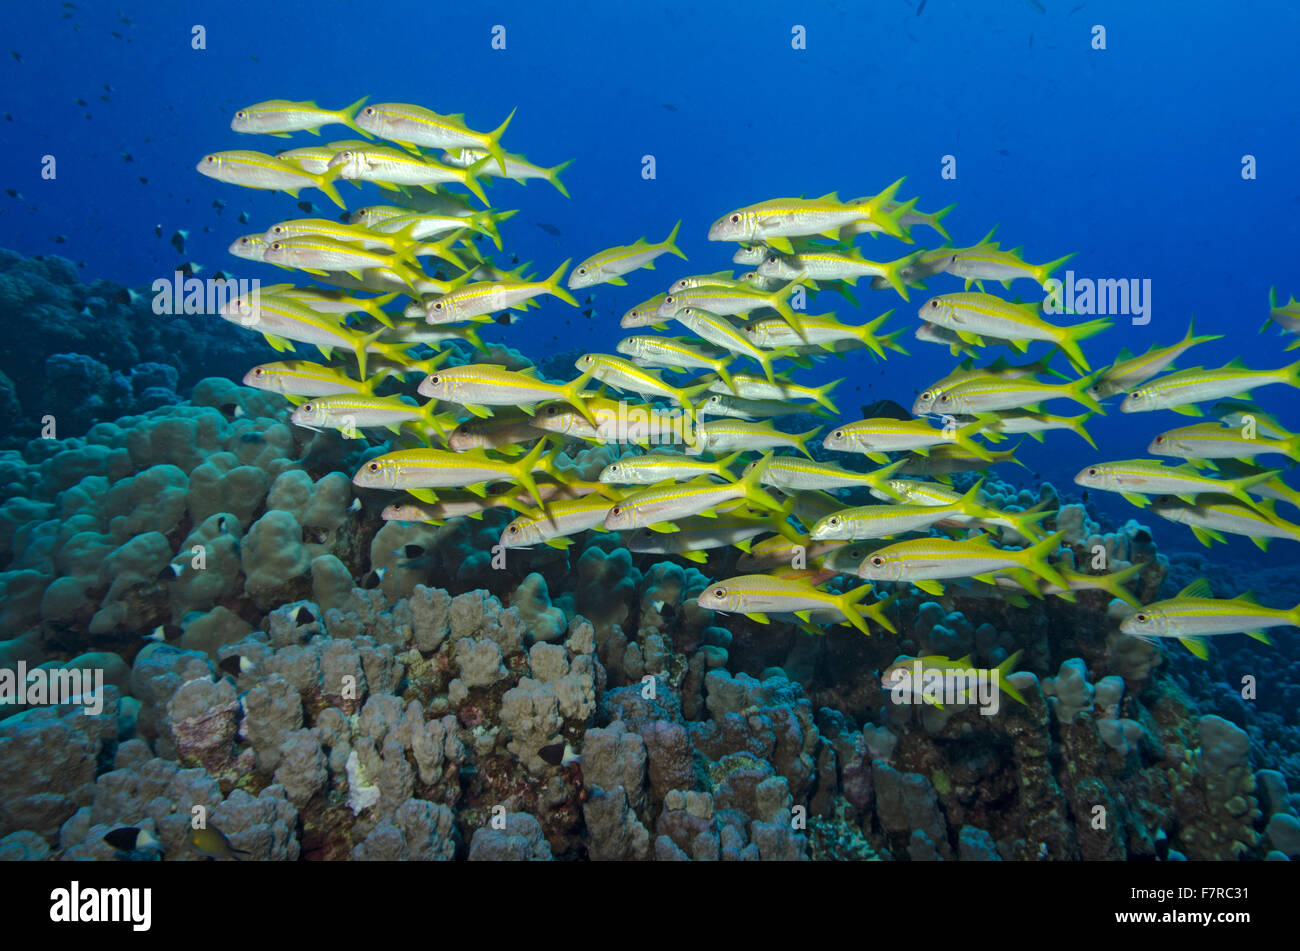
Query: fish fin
{"points": [[1135, 499], [664, 528], [424, 495], [1200, 588], [696, 556], [1197, 646], [560, 543], [482, 412], [1190, 410], [929, 586], [805, 616], [759, 617]]}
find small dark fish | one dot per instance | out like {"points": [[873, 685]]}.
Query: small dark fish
{"points": [[178, 240], [129, 838], [304, 616], [307, 207], [127, 296], [60, 239], [81, 102], [1037, 6], [243, 217], [231, 665], [373, 578], [1142, 537], [165, 632], [116, 35], [671, 108], [189, 268], [1003, 152], [1073, 11], [213, 843], [221, 275], [232, 410], [588, 313], [16, 55], [885, 409], [549, 229], [157, 231], [920, 7], [128, 157], [170, 573], [504, 319], [14, 193], [9, 117], [218, 204], [143, 180], [411, 552], [1085, 495], [552, 755]]}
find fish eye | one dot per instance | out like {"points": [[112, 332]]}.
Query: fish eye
{"points": [[277, 229], [1142, 618], [934, 303], [616, 510], [438, 306], [258, 371], [838, 434], [243, 241], [1137, 394], [1160, 439], [211, 158], [927, 395], [370, 110], [877, 561], [1092, 472], [513, 529], [833, 520], [719, 592], [307, 407], [582, 270], [613, 467], [669, 300], [433, 381], [275, 246], [240, 114], [373, 467], [735, 219], [945, 399]]}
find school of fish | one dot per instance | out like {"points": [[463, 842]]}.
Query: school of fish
{"points": [[714, 471]]}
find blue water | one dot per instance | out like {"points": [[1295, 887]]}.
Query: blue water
{"points": [[1130, 156]]}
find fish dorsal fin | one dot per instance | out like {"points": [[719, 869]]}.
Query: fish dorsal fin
{"points": [[1124, 354], [830, 196], [1200, 588], [1249, 597], [1234, 364]]}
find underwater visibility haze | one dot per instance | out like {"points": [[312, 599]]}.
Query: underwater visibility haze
{"points": [[741, 431]]}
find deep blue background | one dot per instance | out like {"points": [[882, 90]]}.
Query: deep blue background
{"points": [[1129, 156]]}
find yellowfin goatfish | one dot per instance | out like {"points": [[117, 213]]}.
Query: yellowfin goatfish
{"points": [[1182, 390], [944, 460], [1212, 515], [693, 539], [938, 494], [303, 378], [352, 411], [791, 473], [654, 467], [259, 170], [875, 437], [720, 331], [477, 386], [1246, 416], [250, 247], [517, 167], [626, 375], [1035, 424], [822, 329], [481, 298], [1135, 479], [776, 221], [924, 561], [658, 506], [281, 116], [645, 315], [1205, 441], [729, 300], [1195, 613], [753, 388], [282, 320], [609, 266], [416, 126], [757, 596], [316, 158], [563, 518], [833, 264], [1112, 583], [673, 353], [1286, 316], [1129, 372], [885, 521], [987, 262], [973, 315], [725, 435], [390, 168], [924, 680], [909, 219], [988, 394], [314, 254], [419, 471], [722, 404]]}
